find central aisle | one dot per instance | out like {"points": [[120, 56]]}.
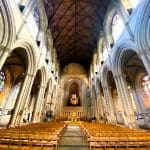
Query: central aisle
{"points": [[73, 139]]}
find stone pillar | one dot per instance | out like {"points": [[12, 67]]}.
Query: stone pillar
{"points": [[93, 102], [87, 104], [145, 57], [122, 100], [17, 115], [109, 105], [138, 100], [99, 102], [128, 102], [60, 101], [38, 104]]}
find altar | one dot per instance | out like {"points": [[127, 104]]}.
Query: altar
{"points": [[74, 117], [72, 113]]}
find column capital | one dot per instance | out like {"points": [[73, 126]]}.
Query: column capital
{"points": [[105, 87], [42, 86], [119, 75], [29, 74]]}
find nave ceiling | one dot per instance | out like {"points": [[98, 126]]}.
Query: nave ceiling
{"points": [[75, 27]]}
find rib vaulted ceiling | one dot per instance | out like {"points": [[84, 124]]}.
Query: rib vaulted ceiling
{"points": [[75, 27]]}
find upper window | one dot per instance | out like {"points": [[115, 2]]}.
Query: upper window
{"points": [[134, 3], [129, 5], [117, 27], [17, 1], [22, 2], [105, 51], [33, 23]]}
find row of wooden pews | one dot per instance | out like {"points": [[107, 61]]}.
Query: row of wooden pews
{"points": [[36, 136], [107, 136]]}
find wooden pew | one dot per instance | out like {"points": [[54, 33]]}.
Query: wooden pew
{"points": [[34, 136]]}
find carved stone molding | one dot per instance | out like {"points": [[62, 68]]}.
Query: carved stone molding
{"points": [[7, 34]]}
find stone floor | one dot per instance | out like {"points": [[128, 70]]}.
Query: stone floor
{"points": [[73, 139]]}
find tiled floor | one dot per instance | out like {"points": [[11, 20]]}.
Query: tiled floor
{"points": [[73, 139]]}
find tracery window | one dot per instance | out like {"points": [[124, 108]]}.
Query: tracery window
{"points": [[117, 27], [2, 80]]}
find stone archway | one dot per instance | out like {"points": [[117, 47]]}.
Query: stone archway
{"points": [[14, 70], [137, 80], [32, 102], [18, 70], [36, 99], [7, 34], [72, 88], [127, 66]]}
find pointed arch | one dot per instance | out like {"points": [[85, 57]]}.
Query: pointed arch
{"points": [[7, 24], [119, 53], [30, 52]]}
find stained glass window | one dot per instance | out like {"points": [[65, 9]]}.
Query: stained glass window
{"points": [[2, 80]]}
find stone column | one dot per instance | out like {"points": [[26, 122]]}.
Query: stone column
{"points": [[87, 104], [93, 102], [61, 101], [128, 102], [122, 100], [17, 115], [138, 99], [38, 104], [145, 57], [109, 105], [99, 102], [95, 95]]}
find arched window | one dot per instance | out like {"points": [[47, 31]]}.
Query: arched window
{"points": [[146, 85], [134, 3], [33, 23], [22, 2], [17, 1], [117, 27], [2, 80], [105, 51]]}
